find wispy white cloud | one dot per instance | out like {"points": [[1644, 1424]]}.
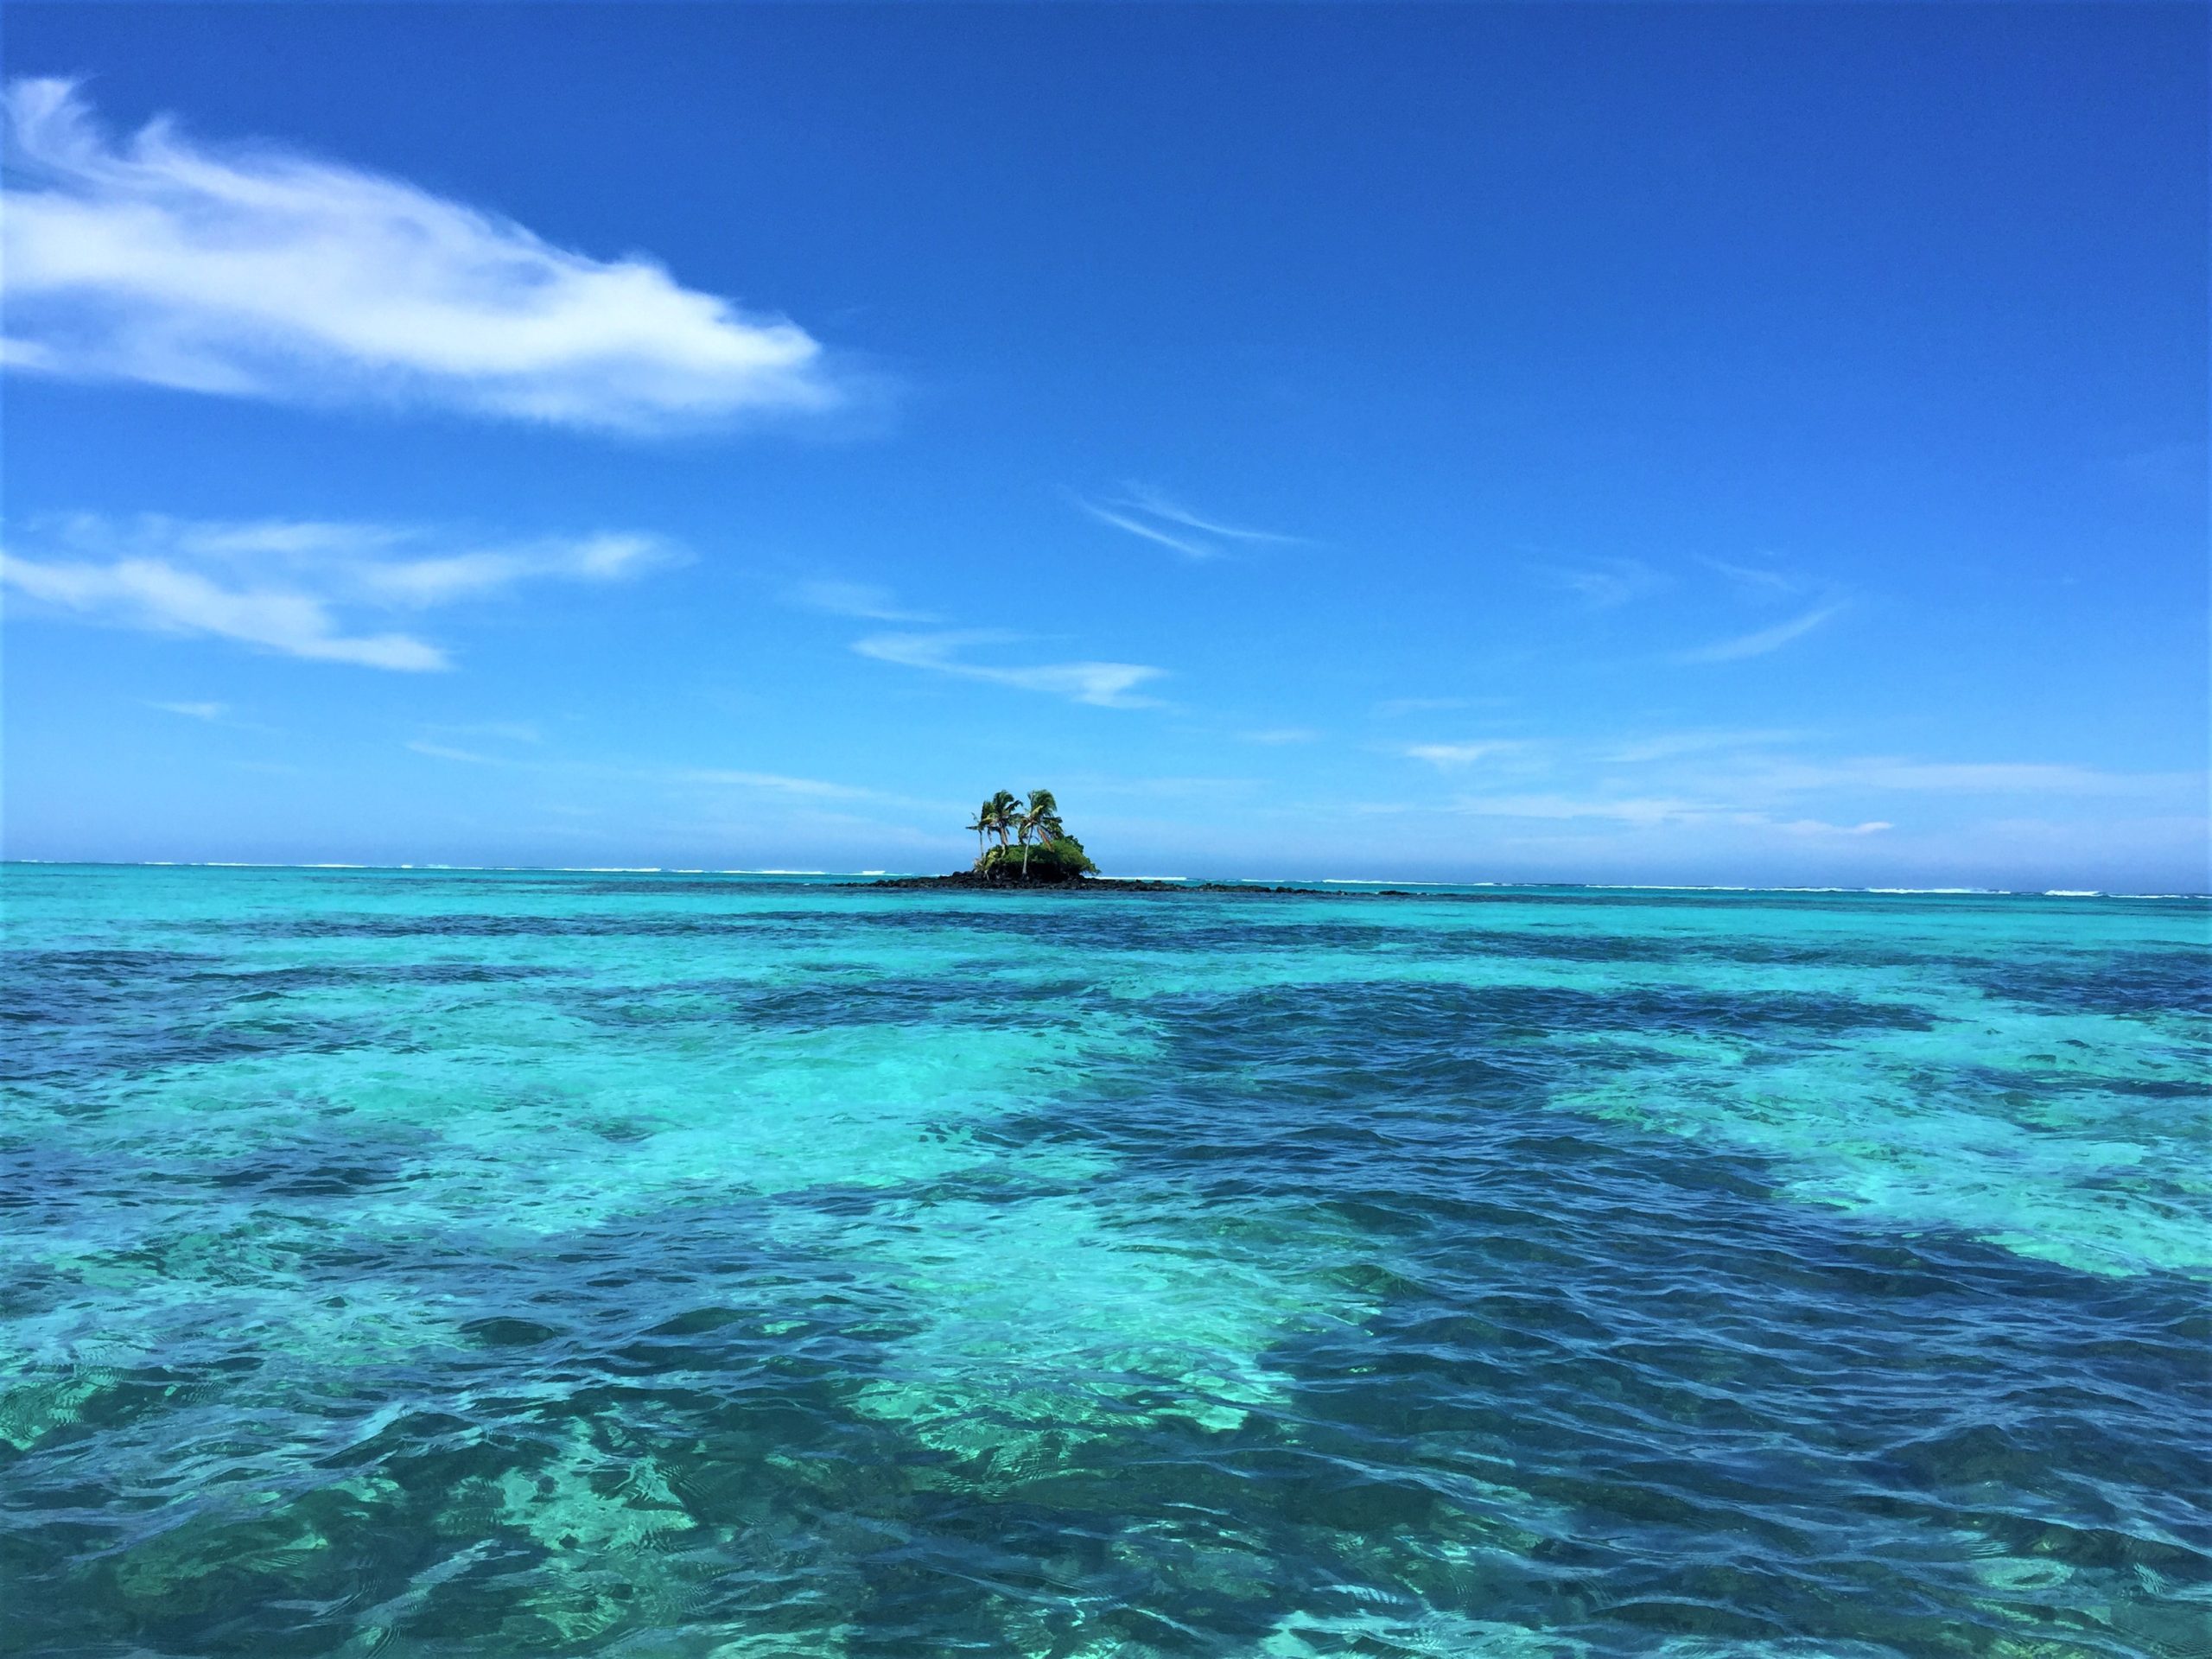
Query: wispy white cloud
{"points": [[862, 600], [1186, 787], [1156, 517], [1393, 708], [255, 271], [1450, 756], [1762, 641], [1281, 735], [1758, 769], [1108, 685], [1761, 581], [146, 594], [447, 752], [712, 778], [212, 714], [504, 731], [1144, 499], [1606, 584], [1729, 782], [1756, 766], [1668, 746], [519, 734], [1626, 809], [1189, 546], [1646, 811], [420, 580], [1976, 777], [296, 588], [776, 783]]}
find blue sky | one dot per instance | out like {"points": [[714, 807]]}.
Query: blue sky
{"points": [[1750, 444]]}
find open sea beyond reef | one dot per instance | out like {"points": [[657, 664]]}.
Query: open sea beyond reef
{"points": [[447, 1264]]}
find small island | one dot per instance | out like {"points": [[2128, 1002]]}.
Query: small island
{"points": [[1025, 847], [1018, 844]]}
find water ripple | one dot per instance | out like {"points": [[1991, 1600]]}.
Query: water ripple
{"points": [[478, 1264]]}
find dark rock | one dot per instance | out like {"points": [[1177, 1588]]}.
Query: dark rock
{"points": [[970, 881]]}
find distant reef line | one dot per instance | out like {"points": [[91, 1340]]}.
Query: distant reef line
{"points": [[977, 881]]}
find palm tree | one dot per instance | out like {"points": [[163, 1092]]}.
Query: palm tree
{"points": [[1042, 819], [1003, 808], [982, 827], [1050, 829]]}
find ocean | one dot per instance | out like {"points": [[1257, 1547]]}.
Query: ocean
{"points": [[465, 1263]]}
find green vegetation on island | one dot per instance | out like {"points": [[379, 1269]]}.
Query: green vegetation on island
{"points": [[1019, 842]]}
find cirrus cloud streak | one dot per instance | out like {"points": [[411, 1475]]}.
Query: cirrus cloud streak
{"points": [[262, 273], [299, 588], [1105, 685]]}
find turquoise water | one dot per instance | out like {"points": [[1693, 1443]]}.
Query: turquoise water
{"points": [[444, 1263]]}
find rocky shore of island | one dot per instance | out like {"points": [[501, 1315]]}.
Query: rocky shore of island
{"points": [[1050, 880]]}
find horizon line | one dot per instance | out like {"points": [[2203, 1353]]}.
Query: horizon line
{"points": [[1319, 882]]}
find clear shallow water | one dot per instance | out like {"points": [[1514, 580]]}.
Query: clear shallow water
{"points": [[452, 1264]]}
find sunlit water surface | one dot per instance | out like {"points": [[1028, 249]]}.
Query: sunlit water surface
{"points": [[442, 1264]]}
